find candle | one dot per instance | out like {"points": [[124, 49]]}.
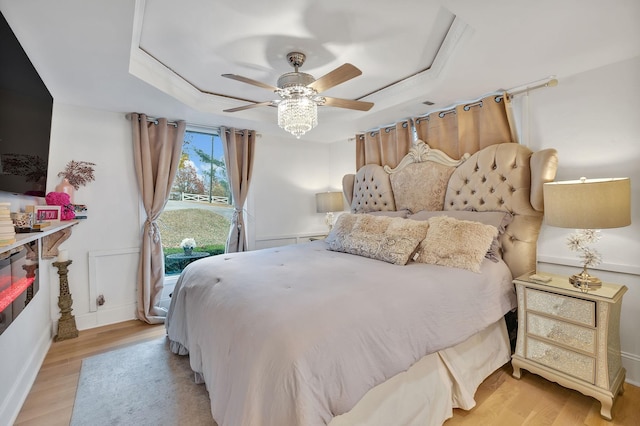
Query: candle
{"points": [[63, 255]]}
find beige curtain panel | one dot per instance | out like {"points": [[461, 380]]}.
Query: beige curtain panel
{"points": [[239, 149], [157, 146], [386, 146], [467, 128]]}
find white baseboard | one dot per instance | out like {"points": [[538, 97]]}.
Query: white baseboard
{"points": [[631, 363], [20, 389]]}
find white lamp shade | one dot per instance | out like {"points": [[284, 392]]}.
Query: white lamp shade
{"points": [[588, 203], [327, 202]]}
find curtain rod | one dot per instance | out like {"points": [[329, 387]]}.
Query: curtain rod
{"points": [[550, 82], [152, 120], [510, 93], [196, 126]]}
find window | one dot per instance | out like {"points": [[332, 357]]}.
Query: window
{"points": [[199, 206]]}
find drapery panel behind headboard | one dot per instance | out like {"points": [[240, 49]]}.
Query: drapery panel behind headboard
{"points": [[386, 146], [465, 128]]}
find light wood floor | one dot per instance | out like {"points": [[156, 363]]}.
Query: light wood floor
{"points": [[501, 399]]}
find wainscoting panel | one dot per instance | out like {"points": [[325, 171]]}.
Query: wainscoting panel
{"points": [[107, 267], [283, 240]]}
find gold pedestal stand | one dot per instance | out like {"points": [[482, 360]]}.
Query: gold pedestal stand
{"points": [[67, 322]]}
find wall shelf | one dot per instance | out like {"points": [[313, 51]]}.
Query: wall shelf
{"points": [[51, 236]]}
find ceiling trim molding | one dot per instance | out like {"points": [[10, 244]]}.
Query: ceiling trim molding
{"points": [[423, 81], [143, 65]]}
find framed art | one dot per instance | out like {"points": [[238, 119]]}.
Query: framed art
{"points": [[47, 213]]}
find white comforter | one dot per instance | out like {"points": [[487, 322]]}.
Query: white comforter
{"points": [[295, 335]]}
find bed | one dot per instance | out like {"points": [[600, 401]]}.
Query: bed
{"points": [[395, 318]]}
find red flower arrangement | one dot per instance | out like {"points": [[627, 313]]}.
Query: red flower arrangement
{"points": [[67, 212]]}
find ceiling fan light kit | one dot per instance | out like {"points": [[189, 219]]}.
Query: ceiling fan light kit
{"points": [[299, 95], [297, 114]]}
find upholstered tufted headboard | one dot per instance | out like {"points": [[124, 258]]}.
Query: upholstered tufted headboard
{"points": [[503, 177]]}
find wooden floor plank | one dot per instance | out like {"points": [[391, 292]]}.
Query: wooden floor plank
{"points": [[501, 400]]}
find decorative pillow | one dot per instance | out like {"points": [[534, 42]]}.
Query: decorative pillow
{"points": [[392, 240], [342, 226], [456, 243], [421, 186], [498, 219]]}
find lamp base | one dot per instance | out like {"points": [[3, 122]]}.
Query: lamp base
{"points": [[328, 219], [584, 281]]}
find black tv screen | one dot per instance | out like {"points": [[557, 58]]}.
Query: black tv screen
{"points": [[25, 119]]}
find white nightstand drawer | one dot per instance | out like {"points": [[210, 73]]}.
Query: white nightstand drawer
{"points": [[562, 332], [573, 363], [578, 310]]}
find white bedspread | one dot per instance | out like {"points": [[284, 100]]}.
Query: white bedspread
{"points": [[295, 335]]}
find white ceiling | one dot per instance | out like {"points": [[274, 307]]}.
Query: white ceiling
{"points": [[165, 57]]}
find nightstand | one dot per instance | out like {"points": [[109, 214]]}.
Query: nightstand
{"points": [[571, 337]]}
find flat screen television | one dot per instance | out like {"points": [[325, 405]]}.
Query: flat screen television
{"points": [[25, 119]]}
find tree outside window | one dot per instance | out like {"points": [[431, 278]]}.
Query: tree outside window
{"points": [[200, 204]]}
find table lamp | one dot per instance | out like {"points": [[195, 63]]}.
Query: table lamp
{"points": [[329, 202], [587, 205]]}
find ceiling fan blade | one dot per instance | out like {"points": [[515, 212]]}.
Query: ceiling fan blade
{"points": [[242, 108], [346, 103], [333, 78], [250, 81]]}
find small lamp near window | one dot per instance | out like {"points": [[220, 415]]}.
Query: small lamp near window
{"points": [[587, 205], [329, 202]]}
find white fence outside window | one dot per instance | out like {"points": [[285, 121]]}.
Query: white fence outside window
{"points": [[200, 198]]}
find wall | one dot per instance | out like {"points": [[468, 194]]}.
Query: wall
{"points": [[107, 242], [592, 120], [287, 174]]}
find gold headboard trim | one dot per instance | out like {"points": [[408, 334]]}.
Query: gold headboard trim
{"points": [[421, 152]]}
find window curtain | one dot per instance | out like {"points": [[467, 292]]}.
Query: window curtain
{"points": [[467, 128], [385, 146], [157, 147], [239, 148]]}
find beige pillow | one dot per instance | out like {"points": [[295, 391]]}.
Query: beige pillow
{"points": [[499, 219], [421, 186], [456, 243], [343, 225], [392, 240]]}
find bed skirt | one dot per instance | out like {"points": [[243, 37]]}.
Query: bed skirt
{"points": [[427, 392]]}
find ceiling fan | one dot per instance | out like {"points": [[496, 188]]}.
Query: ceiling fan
{"points": [[300, 95]]}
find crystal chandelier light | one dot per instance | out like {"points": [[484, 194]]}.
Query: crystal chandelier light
{"points": [[299, 95], [298, 109]]}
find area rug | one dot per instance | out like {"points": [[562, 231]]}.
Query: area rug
{"points": [[143, 384]]}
